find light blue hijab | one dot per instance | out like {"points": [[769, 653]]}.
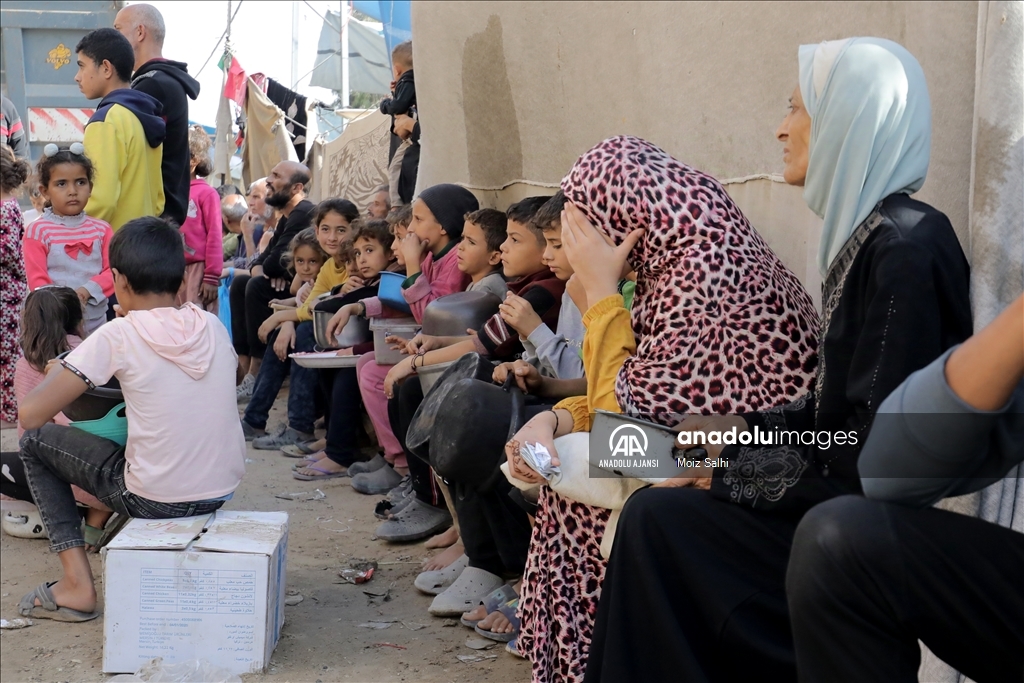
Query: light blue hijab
{"points": [[870, 131]]}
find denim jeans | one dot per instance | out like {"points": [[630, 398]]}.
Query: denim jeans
{"points": [[55, 457], [344, 417], [301, 392]]}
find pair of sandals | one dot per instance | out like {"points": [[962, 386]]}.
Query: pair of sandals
{"points": [[505, 600]]}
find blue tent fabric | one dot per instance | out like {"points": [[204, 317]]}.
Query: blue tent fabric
{"points": [[394, 14]]}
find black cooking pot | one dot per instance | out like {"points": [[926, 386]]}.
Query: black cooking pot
{"points": [[471, 429], [469, 366], [94, 403]]}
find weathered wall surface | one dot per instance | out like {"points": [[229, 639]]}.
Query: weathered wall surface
{"points": [[511, 93]]}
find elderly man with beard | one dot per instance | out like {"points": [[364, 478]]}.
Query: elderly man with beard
{"points": [[250, 298]]}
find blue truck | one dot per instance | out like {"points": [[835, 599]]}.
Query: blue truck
{"points": [[38, 66]]}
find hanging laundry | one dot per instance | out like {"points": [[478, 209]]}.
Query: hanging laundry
{"points": [[294, 107]]}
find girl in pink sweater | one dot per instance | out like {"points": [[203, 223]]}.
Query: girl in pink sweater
{"points": [[202, 229], [64, 246]]}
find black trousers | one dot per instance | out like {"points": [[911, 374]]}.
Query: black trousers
{"points": [[695, 591], [250, 299], [401, 408], [494, 529], [14, 482], [343, 414], [867, 580]]}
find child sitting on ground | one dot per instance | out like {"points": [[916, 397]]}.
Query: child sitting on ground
{"points": [[370, 240], [431, 260], [202, 229], [185, 451], [64, 246], [308, 253], [480, 251], [51, 323]]}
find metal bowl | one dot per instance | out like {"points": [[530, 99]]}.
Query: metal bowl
{"points": [[356, 331], [452, 315]]}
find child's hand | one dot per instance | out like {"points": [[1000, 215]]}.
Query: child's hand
{"points": [[304, 290], [396, 374], [528, 378], [413, 248], [279, 283], [338, 321], [519, 314], [353, 283], [404, 125], [83, 295], [208, 294], [285, 341], [119, 312], [421, 342], [347, 351], [51, 364], [268, 326]]}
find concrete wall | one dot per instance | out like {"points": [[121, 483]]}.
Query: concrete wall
{"points": [[511, 93]]}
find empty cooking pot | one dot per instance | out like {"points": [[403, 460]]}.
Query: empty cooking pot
{"points": [[452, 315], [356, 331]]}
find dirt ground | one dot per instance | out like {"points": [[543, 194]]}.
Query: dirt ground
{"points": [[321, 640]]}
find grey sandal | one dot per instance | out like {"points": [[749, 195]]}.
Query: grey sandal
{"points": [[48, 609]]}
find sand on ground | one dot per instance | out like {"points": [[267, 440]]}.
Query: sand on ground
{"points": [[321, 640]]}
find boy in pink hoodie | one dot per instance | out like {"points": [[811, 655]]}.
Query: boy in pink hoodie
{"points": [[185, 452]]}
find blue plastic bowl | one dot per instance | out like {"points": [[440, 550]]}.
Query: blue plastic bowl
{"points": [[390, 291]]}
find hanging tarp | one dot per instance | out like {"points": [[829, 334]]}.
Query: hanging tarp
{"points": [[357, 162], [369, 67], [394, 14]]}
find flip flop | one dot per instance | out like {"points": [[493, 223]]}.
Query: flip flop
{"points": [[492, 602], [509, 610], [510, 647], [306, 461], [317, 477], [298, 450], [48, 609]]}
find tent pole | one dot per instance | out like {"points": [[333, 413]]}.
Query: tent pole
{"points": [[345, 86]]}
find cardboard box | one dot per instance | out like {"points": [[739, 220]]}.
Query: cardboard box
{"points": [[209, 587]]}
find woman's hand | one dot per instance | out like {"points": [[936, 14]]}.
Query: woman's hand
{"points": [[595, 260], [353, 283], [285, 340], [528, 378], [539, 430], [338, 321], [578, 293], [519, 314], [279, 284], [396, 374]]}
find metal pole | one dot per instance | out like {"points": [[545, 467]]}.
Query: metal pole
{"points": [[295, 44], [346, 14]]}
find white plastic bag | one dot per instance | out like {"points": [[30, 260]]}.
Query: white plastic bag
{"points": [[192, 671]]}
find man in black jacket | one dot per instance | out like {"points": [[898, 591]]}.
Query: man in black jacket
{"points": [[286, 191], [168, 82]]}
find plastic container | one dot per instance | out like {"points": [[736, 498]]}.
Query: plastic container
{"points": [[390, 291], [113, 425], [382, 328], [96, 403], [429, 374]]}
